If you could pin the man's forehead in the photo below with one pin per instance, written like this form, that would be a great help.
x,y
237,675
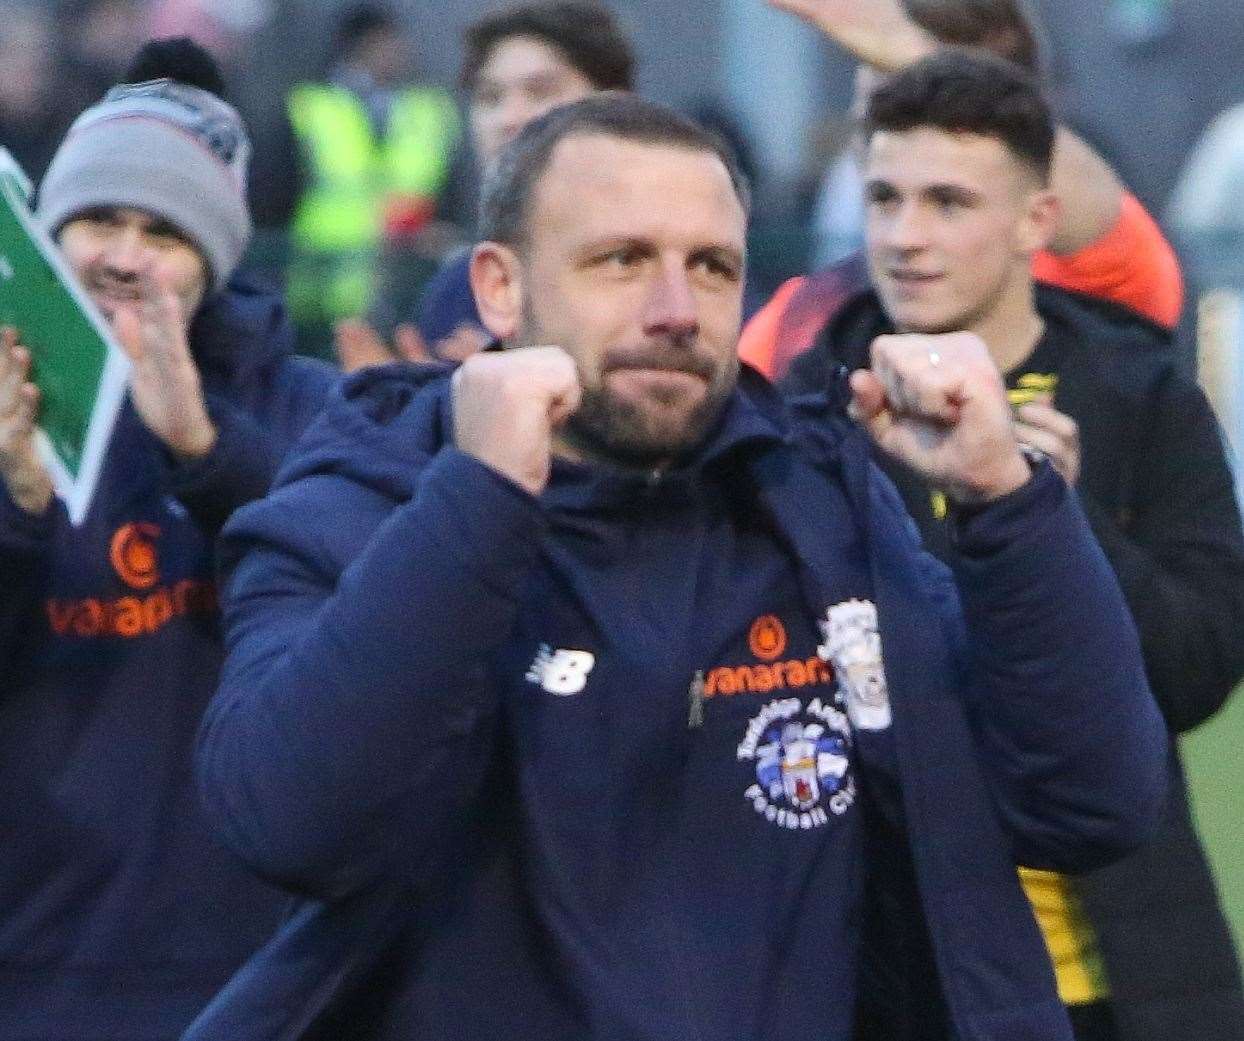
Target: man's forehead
x,y
924,154
126,215
522,55
598,179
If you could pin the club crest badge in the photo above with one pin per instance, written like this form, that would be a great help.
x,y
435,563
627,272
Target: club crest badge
x,y
802,759
853,646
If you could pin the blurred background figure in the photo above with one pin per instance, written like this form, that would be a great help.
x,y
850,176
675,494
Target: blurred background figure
x,y
32,113
120,915
98,39
1209,197
377,148
222,26
520,62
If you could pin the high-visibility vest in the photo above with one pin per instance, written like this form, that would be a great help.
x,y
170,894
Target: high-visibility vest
x,y
339,220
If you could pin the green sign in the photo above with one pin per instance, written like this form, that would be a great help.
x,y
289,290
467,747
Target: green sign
x,y
77,366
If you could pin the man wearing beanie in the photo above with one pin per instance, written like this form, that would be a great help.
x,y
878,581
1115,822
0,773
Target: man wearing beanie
x,y
119,915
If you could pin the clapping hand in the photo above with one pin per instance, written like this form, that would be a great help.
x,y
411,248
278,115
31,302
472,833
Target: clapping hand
x,y
164,383
24,475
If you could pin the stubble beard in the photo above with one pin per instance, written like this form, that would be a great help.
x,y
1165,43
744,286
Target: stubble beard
x,y
631,434
635,434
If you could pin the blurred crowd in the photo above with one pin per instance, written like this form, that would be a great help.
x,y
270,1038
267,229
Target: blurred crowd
x,y
61,56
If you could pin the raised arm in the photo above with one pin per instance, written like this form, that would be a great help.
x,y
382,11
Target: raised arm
x,y
354,716
1069,734
354,722
1101,244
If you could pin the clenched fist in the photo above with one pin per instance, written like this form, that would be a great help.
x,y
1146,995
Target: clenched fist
x,y
508,406
938,404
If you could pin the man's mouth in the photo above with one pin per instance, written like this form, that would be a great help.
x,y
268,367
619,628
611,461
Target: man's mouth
x,y
110,296
687,363
909,277
661,380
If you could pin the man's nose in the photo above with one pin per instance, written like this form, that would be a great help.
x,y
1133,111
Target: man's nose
x,y
907,230
516,112
671,306
126,252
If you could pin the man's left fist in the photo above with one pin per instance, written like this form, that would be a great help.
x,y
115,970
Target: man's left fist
x,y
938,404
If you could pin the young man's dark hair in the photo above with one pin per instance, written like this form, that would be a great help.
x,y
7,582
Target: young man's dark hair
x,y
972,92
585,32
1003,27
361,21
506,193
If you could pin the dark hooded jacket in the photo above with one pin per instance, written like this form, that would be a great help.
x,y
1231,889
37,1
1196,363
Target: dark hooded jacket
x,y
1160,498
488,846
120,915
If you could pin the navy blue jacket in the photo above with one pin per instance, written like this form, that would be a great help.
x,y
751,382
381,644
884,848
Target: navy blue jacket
x,y
120,914
467,831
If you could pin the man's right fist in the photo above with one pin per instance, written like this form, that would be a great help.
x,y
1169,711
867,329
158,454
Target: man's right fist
x,y
24,476
508,406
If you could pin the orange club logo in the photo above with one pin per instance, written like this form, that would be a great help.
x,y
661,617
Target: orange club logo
x,y
767,637
133,554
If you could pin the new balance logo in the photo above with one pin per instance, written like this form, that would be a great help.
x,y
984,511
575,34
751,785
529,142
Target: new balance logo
x,y
561,672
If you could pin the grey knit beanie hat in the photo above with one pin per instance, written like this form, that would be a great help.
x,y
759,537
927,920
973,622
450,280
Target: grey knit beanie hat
x,y
173,150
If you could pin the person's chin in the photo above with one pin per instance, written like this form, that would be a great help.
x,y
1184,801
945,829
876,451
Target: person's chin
x,y
911,317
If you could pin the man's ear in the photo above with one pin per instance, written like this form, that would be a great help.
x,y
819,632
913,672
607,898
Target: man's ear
x,y
497,282
1040,222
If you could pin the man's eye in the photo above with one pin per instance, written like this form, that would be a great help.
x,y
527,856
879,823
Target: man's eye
x,y
623,258
542,88
949,204
719,268
541,91
165,238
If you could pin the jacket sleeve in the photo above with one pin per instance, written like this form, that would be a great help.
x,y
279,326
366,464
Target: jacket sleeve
x,y
25,556
1068,731
238,469
1180,557
353,723
243,462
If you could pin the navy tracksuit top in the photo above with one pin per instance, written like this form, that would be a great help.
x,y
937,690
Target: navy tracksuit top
x,y
596,765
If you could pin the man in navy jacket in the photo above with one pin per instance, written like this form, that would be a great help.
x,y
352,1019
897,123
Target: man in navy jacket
x,y
120,914
592,692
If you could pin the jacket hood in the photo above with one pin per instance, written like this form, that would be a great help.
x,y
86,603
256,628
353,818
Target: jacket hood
x,y
239,333
377,427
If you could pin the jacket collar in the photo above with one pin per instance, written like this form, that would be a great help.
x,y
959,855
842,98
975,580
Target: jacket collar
x,y
753,418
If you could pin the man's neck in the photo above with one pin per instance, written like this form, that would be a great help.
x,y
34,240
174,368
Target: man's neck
x,y
1012,329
